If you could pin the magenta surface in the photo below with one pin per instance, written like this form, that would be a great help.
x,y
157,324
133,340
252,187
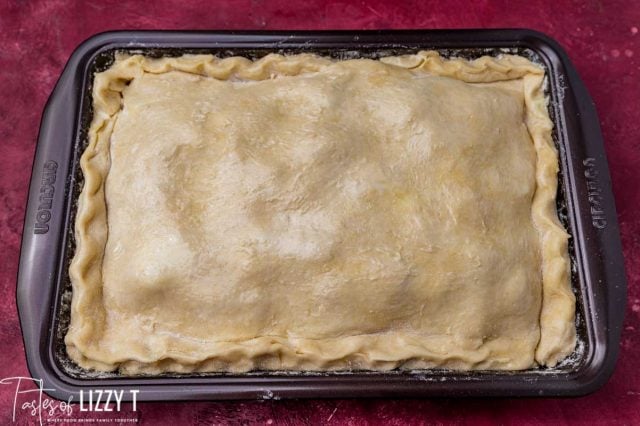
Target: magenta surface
x,y
602,40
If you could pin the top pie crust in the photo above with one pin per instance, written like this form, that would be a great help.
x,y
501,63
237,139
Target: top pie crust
x,y
303,213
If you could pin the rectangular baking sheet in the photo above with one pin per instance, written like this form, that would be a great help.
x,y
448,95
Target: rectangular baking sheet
x,y
585,206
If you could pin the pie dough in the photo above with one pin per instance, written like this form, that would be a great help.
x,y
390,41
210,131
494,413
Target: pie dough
x,y
304,213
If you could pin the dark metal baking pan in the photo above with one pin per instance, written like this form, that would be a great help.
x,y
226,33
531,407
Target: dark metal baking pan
x,y
585,205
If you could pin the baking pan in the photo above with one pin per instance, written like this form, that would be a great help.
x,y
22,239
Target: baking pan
x,y
585,205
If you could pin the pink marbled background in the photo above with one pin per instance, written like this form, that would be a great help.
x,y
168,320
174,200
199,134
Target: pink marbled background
x,y
601,37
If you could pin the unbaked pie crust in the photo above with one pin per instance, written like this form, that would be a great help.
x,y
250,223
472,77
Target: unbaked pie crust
x,y
303,213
